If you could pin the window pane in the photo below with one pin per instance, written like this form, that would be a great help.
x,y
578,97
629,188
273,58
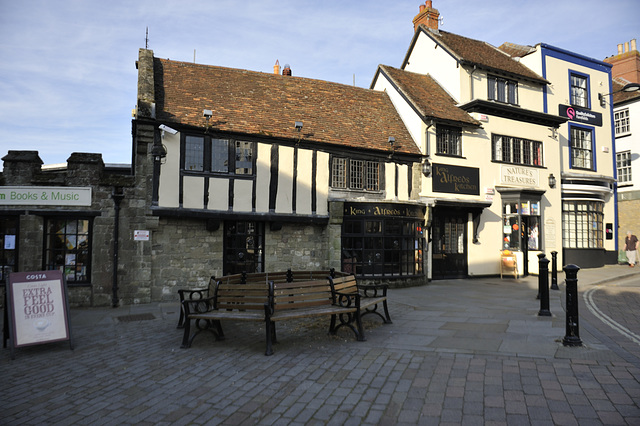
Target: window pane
x,y
581,148
373,173
339,173
356,173
194,153
220,155
68,248
244,158
578,90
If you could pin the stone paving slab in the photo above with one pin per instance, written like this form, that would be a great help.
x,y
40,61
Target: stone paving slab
x,y
506,367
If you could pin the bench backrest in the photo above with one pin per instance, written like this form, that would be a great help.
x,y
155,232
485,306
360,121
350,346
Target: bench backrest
x,y
251,296
301,294
346,284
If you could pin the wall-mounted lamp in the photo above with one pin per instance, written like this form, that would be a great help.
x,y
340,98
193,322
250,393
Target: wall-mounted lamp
x,y
298,125
552,181
158,152
631,87
426,168
391,141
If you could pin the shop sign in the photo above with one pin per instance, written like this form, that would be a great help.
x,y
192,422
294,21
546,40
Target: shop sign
x,y
517,175
45,196
384,209
456,179
38,308
581,115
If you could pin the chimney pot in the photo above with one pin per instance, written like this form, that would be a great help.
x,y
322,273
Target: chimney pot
x,y
619,48
286,70
427,16
634,46
421,8
429,4
276,67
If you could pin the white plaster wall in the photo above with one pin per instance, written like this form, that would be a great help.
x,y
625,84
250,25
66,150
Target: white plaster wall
x,y
263,177
193,192
169,188
403,183
285,180
631,142
218,194
429,58
322,184
242,195
304,182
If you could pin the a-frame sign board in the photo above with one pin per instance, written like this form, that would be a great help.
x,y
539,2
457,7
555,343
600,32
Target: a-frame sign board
x,y
38,309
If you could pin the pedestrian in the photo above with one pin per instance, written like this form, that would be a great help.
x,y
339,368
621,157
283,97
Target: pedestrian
x,y
631,247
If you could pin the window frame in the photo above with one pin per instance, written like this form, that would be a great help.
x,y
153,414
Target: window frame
x,y
355,174
529,152
50,260
502,89
448,140
622,125
573,149
573,95
213,164
624,171
582,224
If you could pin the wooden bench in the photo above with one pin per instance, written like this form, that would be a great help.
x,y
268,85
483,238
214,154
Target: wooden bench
x,y
371,296
243,302
194,294
304,299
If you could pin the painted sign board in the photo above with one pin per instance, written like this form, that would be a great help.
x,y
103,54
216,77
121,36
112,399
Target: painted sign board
x,y
456,179
45,196
38,308
580,115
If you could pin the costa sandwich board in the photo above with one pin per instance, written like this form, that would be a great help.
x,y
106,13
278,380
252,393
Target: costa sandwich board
x,y
38,308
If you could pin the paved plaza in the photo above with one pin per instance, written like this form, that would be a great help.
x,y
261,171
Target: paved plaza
x,y
469,352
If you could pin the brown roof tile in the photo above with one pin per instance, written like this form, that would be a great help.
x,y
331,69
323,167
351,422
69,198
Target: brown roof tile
x,y
482,54
268,105
427,96
618,95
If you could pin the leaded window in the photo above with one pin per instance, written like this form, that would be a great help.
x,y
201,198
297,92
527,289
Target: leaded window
x,y
507,149
448,140
68,248
349,173
502,90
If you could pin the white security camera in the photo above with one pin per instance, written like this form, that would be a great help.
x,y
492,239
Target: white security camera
x,y
168,129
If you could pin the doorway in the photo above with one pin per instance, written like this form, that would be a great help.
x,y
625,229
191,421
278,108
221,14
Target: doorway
x,y
449,243
243,247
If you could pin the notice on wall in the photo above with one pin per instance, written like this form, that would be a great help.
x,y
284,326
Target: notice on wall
x,y
550,233
38,308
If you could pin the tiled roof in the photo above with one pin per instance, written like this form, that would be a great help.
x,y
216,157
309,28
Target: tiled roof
x,y
482,54
427,96
619,97
516,50
267,105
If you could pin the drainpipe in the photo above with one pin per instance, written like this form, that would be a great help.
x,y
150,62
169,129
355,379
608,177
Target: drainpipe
x,y
471,81
117,195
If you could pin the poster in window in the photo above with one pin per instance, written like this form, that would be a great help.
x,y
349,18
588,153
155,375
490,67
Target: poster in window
x,y
37,308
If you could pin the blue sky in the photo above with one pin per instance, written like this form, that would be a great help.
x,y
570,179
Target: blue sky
x,y
67,68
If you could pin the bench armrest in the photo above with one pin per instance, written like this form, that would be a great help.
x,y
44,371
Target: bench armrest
x,y
198,306
346,300
373,290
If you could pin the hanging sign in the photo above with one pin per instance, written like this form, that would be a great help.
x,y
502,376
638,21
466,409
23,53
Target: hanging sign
x,y
581,115
38,308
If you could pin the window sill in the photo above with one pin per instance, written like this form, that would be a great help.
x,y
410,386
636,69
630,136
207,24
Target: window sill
x,y
450,155
623,135
518,164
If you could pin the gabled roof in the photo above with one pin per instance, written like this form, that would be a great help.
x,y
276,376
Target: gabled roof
x,y
426,96
516,50
618,95
267,105
472,52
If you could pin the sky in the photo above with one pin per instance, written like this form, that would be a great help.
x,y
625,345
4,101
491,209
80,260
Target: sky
x,y
67,67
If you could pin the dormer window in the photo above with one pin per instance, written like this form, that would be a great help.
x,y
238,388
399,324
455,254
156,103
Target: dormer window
x,y
502,90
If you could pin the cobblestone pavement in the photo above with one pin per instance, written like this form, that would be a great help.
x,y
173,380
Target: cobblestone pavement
x,y
458,352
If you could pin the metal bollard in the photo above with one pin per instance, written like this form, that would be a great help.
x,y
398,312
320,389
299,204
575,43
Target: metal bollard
x,y
554,270
543,286
540,257
572,335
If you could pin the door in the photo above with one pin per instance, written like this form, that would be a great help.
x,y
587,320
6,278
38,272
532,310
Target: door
x,y
449,242
243,247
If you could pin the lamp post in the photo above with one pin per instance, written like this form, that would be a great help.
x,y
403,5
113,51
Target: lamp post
x,y
628,88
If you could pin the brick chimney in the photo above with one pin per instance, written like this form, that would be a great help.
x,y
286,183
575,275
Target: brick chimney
x,y
286,70
626,64
427,16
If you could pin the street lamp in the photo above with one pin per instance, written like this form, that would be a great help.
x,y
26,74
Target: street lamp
x,y
631,87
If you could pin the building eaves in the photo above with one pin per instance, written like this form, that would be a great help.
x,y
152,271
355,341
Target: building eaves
x,y
513,113
482,55
267,105
427,97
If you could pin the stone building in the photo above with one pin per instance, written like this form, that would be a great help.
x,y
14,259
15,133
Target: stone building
x,y
232,171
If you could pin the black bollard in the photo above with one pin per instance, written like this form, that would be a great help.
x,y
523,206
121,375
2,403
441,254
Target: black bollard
x,y
554,270
572,335
540,257
543,286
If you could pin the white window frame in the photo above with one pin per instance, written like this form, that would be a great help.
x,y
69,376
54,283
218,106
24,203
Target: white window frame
x,y
621,122
623,164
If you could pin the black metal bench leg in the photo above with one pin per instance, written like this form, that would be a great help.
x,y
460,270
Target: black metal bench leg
x,y
386,313
185,336
270,331
358,319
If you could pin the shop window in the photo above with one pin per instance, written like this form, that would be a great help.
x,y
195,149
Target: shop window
x,y
582,224
68,248
448,140
8,247
355,174
521,225
512,150
386,247
502,90
218,156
